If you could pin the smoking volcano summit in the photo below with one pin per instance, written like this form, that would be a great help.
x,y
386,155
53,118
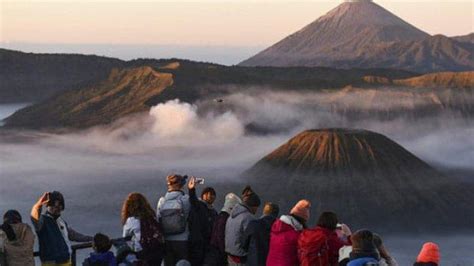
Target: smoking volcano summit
x,y
367,178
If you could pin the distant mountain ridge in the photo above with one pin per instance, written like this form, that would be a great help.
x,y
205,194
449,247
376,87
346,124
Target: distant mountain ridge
x,y
30,77
465,38
363,34
365,177
351,93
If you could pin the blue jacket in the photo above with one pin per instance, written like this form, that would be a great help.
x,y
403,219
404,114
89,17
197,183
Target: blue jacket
x,y
366,261
95,258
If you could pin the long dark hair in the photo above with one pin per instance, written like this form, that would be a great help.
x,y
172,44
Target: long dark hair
x,y
328,220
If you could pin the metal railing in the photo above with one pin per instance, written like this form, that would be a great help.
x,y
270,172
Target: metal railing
x,y
76,247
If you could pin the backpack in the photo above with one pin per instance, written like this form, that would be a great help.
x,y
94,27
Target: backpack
x,y
172,216
151,235
313,248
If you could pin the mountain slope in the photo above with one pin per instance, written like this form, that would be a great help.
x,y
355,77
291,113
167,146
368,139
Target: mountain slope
x,y
363,34
366,178
123,93
442,79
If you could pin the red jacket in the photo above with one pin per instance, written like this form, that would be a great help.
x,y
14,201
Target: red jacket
x,y
283,242
309,241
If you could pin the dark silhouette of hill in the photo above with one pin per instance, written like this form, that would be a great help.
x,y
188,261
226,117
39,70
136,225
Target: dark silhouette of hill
x,y
363,34
29,77
368,179
148,82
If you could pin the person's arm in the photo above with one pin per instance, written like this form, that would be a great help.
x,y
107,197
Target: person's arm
x,y
346,230
193,199
158,214
130,228
36,211
78,237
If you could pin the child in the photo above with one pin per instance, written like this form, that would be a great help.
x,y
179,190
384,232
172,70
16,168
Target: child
x,y
101,255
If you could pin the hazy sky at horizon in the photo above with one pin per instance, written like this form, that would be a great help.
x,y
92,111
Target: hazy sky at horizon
x,y
205,22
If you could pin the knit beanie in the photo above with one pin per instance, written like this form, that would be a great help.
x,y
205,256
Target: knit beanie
x,y
250,198
230,201
363,241
301,209
429,253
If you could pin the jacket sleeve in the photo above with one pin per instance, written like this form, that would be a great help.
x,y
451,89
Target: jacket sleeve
x,y
248,233
131,227
78,237
158,205
36,217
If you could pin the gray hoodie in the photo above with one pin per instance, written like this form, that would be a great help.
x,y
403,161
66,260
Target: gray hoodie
x,y
184,236
236,225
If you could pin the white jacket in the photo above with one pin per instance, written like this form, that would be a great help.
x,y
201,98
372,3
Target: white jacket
x,y
132,228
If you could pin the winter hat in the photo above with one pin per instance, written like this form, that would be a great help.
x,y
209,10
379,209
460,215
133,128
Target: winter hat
x,y
250,198
230,201
12,217
363,242
271,209
429,253
301,209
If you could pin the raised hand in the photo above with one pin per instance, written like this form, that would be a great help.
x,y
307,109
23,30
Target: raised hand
x,y
192,182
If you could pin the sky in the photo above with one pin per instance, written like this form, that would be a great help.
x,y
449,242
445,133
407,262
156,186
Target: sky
x,y
248,25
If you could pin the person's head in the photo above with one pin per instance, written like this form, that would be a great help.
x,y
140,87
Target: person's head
x,y
429,253
271,209
101,243
55,203
136,205
301,210
208,195
12,217
176,182
230,201
251,199
328,220
363,242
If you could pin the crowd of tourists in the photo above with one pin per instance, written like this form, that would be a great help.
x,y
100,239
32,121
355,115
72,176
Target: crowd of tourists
x,y
185,229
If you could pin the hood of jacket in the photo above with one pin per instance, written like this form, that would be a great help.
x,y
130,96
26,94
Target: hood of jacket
x,y
171,195
287,223
239,209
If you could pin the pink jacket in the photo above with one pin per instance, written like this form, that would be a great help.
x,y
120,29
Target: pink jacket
x,y
284,242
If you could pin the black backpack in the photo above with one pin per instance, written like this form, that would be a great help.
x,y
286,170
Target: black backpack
x,y
152,238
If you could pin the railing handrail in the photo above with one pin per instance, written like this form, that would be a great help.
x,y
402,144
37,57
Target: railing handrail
x,y
80,246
